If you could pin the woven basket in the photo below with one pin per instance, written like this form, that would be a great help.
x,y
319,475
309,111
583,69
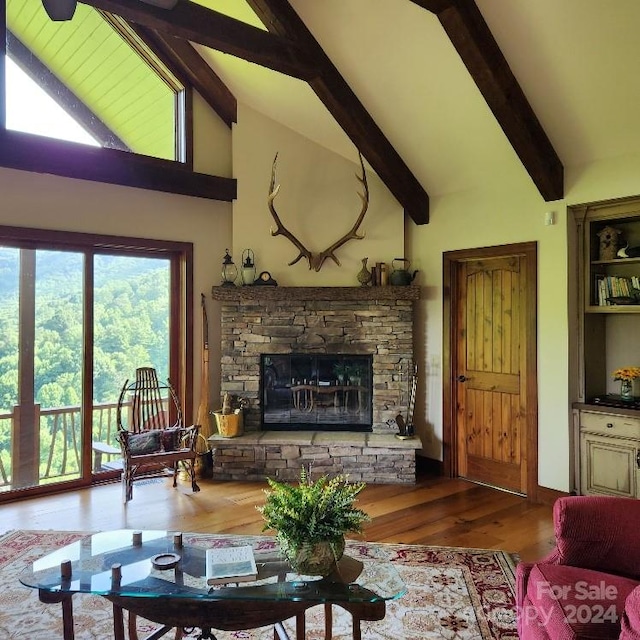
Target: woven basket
x,y
229,425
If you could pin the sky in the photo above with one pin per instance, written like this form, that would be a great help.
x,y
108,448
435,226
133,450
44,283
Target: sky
x,y
31,110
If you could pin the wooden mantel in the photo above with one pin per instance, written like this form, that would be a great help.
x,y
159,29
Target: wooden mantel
x,y
266,292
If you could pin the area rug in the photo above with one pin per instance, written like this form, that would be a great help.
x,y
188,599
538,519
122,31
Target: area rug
x,y
452,593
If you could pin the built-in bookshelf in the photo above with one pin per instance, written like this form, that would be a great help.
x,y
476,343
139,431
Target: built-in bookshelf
x,y
612,282
608,300
605,335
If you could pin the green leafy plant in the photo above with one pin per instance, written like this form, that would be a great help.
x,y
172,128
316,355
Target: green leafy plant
x,y
312,511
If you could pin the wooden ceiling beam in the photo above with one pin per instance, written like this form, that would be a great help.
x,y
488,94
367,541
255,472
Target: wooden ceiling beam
x,y
194,68
279,18
40,154
474,42
196,23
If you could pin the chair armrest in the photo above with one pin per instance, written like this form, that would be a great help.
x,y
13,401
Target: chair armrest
x,y
631,617
598,532
189,435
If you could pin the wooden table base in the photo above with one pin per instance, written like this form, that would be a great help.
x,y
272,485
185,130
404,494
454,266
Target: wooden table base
x,y
226,615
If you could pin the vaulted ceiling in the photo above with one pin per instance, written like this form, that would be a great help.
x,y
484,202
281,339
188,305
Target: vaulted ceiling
x,y
439,95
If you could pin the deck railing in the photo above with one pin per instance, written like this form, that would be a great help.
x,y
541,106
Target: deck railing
x,y
60,440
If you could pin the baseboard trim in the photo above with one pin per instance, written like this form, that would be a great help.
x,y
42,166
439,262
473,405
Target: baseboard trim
x,y
429,466
549,496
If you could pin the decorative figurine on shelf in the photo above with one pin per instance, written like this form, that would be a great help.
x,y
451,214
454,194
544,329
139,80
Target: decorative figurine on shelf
x,y
609,237
629,252
229,271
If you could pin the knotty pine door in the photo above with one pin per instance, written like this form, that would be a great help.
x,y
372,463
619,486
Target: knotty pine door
x,y
494,339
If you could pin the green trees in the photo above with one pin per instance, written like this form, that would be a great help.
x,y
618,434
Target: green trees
x,y
131,329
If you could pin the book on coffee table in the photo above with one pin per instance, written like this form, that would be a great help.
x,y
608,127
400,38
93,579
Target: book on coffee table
x,y
230,564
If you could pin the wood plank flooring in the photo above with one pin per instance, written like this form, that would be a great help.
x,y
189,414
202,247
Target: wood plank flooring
x,y
434,511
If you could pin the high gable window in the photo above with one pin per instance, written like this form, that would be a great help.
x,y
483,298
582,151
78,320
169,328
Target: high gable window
x,y
32,110
101,73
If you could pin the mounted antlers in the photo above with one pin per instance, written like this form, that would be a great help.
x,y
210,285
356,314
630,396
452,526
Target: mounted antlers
x,y
316,260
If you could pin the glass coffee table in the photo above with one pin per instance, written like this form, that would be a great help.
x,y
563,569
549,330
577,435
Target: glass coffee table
x,y
160,576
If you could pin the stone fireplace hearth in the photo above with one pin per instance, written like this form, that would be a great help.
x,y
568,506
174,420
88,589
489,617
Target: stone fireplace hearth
x,y
373,322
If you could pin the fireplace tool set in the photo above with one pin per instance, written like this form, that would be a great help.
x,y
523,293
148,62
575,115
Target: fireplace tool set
x,y
405,425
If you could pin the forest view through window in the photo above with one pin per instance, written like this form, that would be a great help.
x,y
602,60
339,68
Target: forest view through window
x,y
48,296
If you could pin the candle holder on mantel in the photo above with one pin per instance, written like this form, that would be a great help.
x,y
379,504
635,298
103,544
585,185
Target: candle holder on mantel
x,y
248,271
229,271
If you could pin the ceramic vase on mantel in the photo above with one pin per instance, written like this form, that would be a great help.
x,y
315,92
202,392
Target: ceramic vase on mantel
x,y
626,390
364,275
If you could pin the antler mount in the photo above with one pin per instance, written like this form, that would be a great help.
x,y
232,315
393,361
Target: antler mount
x,y
316,260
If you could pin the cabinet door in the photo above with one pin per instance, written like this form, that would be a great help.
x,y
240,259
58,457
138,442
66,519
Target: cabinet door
x,y
608,466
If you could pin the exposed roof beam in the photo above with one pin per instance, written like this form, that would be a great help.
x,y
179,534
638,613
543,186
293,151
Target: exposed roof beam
x,y
73,160
334,92
473,40
196,23
194,68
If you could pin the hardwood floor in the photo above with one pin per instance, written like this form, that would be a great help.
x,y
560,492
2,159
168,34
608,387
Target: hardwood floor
x,y
434,511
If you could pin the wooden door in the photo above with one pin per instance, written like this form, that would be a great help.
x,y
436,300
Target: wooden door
x,y
492,366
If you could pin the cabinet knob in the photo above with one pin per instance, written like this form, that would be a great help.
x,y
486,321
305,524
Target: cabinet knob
x,y
609,425
462,378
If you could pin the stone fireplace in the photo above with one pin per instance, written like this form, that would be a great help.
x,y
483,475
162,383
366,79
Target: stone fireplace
x,y
266,325
370,321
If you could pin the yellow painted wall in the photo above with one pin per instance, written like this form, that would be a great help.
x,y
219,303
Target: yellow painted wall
x,y
513,213
317,202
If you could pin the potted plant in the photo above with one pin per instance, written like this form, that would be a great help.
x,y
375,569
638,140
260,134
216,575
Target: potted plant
x,y
311,519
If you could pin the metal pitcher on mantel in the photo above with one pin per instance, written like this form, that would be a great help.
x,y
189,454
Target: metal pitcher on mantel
x,y
401,276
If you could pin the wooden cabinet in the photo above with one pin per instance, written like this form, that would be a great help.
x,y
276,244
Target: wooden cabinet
x,y
605,306
609,452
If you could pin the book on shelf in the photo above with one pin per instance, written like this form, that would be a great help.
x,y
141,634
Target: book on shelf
x,y
608,288
230,564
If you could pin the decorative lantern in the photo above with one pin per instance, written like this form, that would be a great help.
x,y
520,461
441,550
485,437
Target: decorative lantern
x,y
248,270
229,271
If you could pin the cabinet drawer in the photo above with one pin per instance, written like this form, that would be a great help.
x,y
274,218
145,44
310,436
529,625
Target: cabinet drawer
x,y
609,424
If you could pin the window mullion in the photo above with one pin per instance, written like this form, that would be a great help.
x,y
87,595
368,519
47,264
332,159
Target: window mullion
x,y
26,436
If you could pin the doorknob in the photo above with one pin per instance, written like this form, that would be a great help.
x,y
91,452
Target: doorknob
x,y
462,378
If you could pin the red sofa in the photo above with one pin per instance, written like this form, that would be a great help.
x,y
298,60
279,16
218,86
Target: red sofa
x,y
589,586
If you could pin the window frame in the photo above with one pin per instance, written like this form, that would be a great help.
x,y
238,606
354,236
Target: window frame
x,y
180,255
28,152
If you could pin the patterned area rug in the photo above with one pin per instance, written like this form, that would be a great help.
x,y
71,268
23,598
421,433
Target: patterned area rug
x,y
452,593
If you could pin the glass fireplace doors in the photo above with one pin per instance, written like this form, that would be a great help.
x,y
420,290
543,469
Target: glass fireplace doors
x,y
316,392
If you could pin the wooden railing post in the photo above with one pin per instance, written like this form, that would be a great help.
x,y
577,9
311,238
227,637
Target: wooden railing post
x,y
25,446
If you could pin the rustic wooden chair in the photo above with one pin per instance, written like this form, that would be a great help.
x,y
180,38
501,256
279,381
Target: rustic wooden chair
x,y
151,431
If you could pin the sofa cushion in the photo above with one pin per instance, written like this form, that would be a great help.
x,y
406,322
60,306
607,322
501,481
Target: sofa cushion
x,y
573,603
145,442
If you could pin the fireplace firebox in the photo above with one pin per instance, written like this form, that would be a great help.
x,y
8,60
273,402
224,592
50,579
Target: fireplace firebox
x,y
316,392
